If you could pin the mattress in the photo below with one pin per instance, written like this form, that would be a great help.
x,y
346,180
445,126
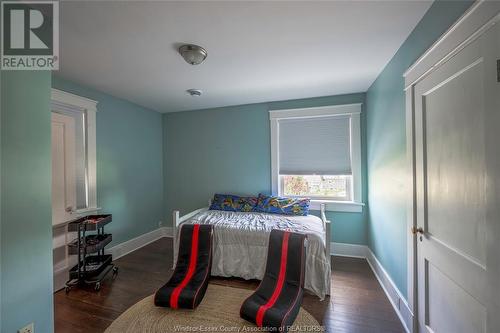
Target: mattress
x,y
241,240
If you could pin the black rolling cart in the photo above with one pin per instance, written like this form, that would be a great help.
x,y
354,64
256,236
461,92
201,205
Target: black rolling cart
x,y
93,265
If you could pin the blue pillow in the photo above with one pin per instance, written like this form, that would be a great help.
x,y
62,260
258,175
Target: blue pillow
x,y
233,203
282,205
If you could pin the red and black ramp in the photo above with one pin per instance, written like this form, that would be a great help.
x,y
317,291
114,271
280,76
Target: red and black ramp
x,y
276,302
188,284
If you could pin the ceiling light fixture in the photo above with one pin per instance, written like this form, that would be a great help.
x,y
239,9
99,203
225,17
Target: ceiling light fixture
x,y
194,92
193,54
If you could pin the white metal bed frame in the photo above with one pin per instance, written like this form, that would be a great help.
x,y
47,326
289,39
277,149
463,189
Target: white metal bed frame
x,y
178,220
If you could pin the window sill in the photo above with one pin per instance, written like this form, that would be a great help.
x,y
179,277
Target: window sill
x,y
338,206
86,210
77,213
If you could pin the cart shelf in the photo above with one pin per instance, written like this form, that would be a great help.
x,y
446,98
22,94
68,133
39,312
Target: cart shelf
x,y
90,244
94,265
90,222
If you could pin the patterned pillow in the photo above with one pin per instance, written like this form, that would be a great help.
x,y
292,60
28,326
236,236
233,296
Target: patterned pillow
x,y
282,205
233,203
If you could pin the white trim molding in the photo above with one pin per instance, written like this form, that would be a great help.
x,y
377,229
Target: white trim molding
x,y
322,111
337,206
348,250
481,16
68,100
394,295
352,110
64,101
122,249
411,206
168,232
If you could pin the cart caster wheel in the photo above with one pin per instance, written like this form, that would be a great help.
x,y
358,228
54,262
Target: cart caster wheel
x,y
97,286
67,289
115,272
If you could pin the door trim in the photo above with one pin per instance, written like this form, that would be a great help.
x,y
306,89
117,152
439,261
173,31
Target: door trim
x,y
481,16
411,217
62,100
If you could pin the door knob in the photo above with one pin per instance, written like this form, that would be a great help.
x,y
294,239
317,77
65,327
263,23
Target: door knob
x,y
415,230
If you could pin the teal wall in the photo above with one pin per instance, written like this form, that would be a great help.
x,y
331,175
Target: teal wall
x,y
26,214
129,162
227,150
386,149
191,155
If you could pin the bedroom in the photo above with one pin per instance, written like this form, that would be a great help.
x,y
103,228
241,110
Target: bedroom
x,y
322,100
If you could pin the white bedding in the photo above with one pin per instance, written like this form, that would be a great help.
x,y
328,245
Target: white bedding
x,y
241,240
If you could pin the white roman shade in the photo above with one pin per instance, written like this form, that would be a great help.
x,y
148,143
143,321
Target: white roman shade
x,y
320,145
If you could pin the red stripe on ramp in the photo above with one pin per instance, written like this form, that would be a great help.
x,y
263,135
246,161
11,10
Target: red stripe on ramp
x,y
174,298
279,285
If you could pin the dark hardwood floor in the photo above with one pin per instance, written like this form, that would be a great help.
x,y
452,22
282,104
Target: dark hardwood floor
x,y
357,304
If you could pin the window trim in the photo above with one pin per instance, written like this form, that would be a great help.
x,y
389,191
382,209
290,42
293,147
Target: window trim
x,y
351,110
62,100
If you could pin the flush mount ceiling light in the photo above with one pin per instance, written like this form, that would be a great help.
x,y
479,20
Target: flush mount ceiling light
x,y
194,92
193,54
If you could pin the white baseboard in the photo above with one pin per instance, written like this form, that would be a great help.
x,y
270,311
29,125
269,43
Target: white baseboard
x,y
393,293
169,231
397,300
348,250
136,243
60,278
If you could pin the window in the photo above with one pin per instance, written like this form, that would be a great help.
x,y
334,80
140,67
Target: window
x,y
326,187
316,153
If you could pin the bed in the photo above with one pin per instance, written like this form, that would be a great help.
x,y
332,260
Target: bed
x,y
241,240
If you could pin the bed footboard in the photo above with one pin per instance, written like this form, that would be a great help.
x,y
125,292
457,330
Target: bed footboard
x,y
177,221
326,225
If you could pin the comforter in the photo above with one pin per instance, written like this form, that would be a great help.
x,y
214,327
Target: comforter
x,y
241,241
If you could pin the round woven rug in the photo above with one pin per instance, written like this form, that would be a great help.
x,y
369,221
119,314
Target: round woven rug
x,y
218,312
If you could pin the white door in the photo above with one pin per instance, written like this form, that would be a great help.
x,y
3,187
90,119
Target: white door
x,y
457,154
63,191
63,168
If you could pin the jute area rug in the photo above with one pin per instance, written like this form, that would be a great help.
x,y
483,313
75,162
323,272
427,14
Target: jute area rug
x,y
218,312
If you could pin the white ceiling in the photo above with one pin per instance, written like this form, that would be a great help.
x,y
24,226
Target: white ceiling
x,y
257,51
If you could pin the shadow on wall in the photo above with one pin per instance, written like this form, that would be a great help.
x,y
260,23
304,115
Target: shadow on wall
x,y
386,154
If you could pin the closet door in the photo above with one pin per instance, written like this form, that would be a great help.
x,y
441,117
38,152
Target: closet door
x,y
63,193
63,168
457,155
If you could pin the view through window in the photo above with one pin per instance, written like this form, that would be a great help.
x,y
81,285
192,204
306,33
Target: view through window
x,y
317,186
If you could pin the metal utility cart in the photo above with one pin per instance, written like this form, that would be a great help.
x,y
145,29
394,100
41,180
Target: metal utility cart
x,y
93,265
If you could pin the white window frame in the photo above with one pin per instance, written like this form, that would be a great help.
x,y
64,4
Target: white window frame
x,y
64,101
354,113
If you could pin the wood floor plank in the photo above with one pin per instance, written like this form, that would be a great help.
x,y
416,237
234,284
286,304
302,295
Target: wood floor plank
x,y
357,304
